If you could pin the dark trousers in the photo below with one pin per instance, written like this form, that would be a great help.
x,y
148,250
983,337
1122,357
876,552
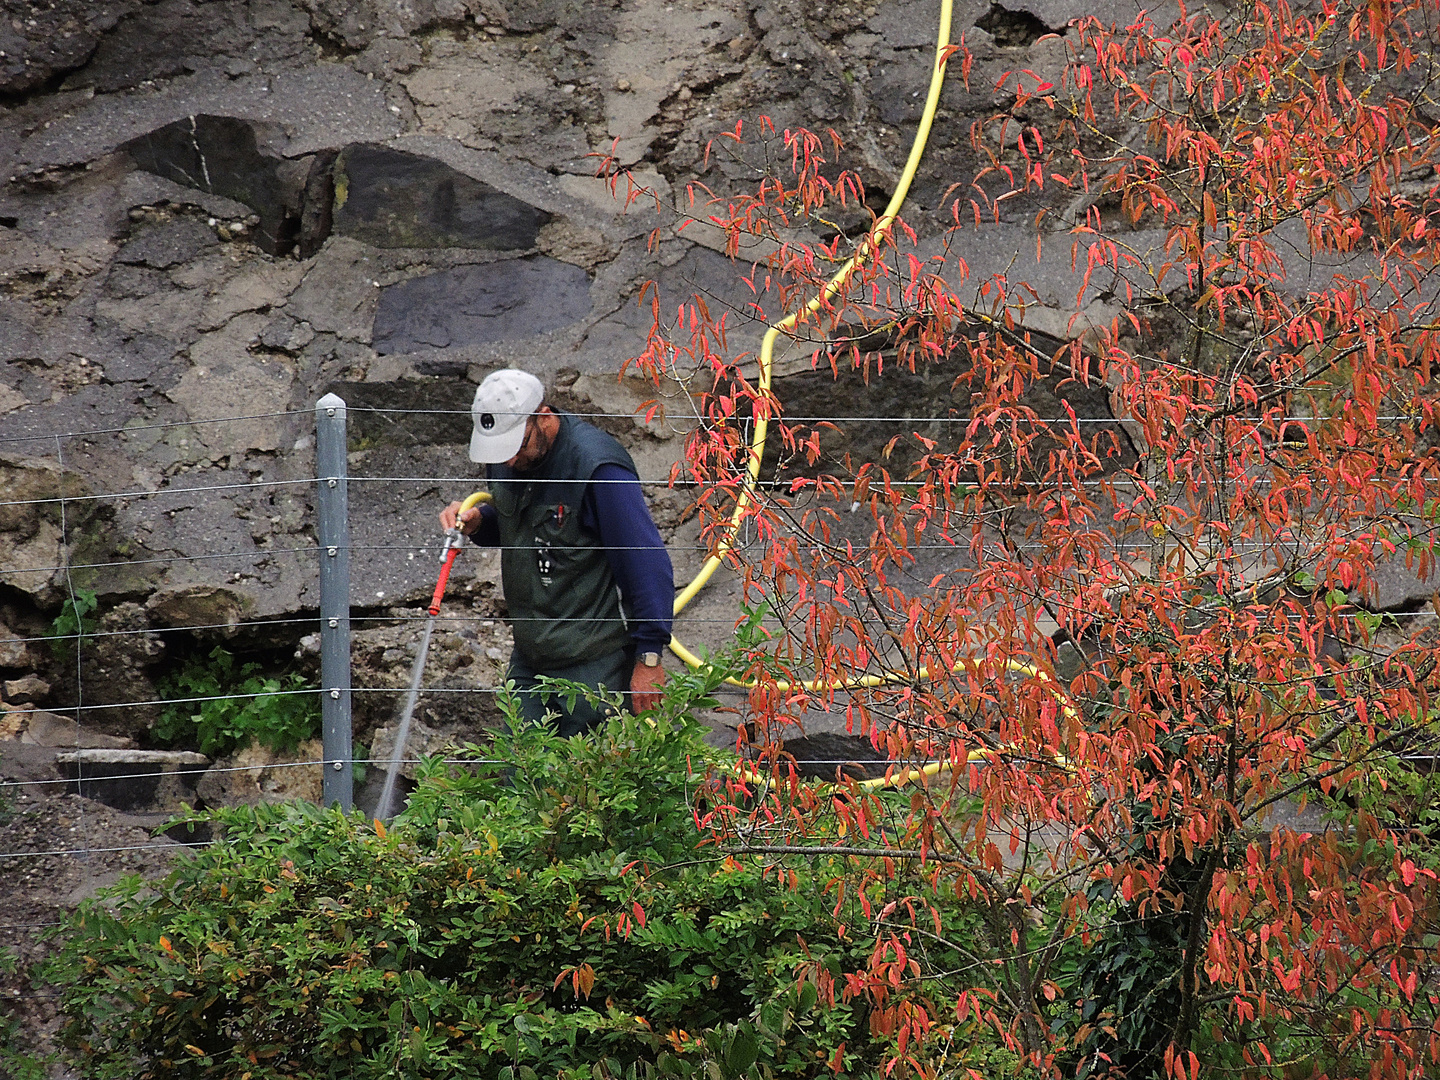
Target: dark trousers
x,y
610,673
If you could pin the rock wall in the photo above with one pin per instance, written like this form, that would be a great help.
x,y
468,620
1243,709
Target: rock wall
x,y
212,213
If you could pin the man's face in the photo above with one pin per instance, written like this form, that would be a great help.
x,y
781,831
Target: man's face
x,y
534,447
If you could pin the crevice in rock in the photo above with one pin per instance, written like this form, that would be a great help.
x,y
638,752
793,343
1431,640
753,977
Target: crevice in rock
x,y
51,84
1012,29
317,209
673,127
330,47
49,178
852,220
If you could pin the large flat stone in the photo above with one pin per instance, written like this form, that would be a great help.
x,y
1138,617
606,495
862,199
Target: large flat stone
x,y
473,305
355,25
164,39
260,287
222,155
256,775
654,49
392,199
318,107
228,381
33,532
200,605
483,99
36,727
339,293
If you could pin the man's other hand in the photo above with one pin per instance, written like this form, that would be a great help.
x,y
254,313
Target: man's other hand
x,y
645,686
468,521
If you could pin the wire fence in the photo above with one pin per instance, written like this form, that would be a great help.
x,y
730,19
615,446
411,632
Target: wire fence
x,y
83,483
112,527
434,548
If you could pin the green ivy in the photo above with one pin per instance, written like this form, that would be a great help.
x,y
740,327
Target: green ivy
x,y
244,705
73,622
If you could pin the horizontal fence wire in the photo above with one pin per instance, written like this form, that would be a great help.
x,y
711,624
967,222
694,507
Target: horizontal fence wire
x,y
259,695
435,552
257,553
784,486
779,416
175,768
786,417
184,769
313,620
467,619
170,846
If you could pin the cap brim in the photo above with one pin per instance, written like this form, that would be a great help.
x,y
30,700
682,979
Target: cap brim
x,y
493,449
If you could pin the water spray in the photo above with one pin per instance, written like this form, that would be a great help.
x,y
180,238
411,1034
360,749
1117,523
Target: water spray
x,y
454,541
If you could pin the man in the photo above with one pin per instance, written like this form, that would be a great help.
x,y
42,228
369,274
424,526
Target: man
x,y
587,578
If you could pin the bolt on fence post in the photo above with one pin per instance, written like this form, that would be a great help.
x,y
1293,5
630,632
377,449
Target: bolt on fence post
x,y
333,532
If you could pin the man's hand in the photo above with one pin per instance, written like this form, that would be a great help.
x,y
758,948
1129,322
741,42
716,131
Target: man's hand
x,y
468,521
645,686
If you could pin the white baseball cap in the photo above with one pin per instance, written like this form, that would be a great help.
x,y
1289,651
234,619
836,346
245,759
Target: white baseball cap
x,y
503,402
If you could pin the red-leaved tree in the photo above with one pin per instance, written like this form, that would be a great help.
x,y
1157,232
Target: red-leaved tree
x,y
1142,644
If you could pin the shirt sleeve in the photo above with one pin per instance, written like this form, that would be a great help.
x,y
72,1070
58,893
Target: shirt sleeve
x,y
615,508
488,532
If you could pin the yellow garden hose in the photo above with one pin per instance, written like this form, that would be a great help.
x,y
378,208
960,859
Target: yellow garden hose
x,y
873,238
788,323
474,500
454,540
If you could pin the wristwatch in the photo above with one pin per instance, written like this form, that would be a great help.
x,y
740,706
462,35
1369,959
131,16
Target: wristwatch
x,y
650,659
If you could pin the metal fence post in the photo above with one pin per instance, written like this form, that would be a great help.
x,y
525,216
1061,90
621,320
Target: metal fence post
x,y
333,531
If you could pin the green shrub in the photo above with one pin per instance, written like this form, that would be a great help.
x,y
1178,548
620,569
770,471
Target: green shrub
x,y
245,705
547,910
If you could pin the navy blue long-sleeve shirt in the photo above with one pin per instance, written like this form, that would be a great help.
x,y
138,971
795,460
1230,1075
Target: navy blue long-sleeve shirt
x,y
615,510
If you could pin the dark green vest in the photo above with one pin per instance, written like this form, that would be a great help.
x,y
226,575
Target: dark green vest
x,y
563,601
